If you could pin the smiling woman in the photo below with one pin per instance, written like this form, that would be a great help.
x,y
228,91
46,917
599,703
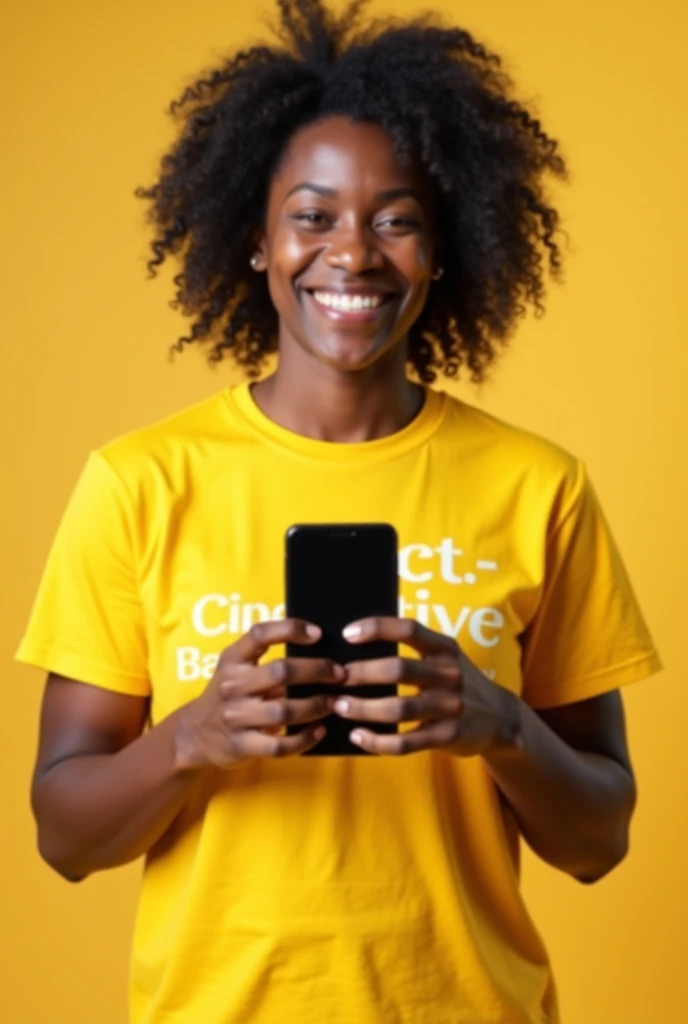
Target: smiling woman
x,y
348,245
467,155
368,205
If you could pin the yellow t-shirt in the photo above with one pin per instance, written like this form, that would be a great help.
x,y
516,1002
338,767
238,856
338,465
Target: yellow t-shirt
x,y
355,890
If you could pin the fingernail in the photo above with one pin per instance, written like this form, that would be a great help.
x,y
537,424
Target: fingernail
x,y
356,736
342,705
313,631
352,631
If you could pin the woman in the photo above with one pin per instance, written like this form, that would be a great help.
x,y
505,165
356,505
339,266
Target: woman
x,y
370,207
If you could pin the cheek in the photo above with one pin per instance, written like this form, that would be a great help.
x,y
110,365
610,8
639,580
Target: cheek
x,y
292,255
415,264
415,304
288,258
412,257
423,260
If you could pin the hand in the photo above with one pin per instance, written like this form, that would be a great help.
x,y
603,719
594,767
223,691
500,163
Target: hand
x,y
458,709
242,712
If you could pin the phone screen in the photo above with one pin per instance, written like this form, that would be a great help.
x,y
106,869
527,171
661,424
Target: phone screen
x,y
336,574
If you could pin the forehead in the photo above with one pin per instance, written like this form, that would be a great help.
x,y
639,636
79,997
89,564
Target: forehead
x,y
343,155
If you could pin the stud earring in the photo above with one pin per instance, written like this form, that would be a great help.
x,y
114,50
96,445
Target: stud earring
x,y
254,261
438,274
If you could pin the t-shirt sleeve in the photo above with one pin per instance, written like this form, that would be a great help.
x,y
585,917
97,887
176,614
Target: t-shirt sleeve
x,y
588,635
87,621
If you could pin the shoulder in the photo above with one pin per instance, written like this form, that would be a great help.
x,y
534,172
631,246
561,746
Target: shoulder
x,y
510,458
164,447
481,431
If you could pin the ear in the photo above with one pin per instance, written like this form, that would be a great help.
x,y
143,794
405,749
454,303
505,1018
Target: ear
x,y
259,256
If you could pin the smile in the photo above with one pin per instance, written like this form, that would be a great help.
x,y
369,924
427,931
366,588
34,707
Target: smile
x,y
350,302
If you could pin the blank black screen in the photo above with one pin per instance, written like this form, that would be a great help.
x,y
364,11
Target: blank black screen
x,y
336,574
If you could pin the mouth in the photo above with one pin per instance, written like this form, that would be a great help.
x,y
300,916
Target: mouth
x,y
351,306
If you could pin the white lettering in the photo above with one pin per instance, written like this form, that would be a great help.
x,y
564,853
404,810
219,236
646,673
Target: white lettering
x,y
209,665
234,613
188,667
447,553
448,627
215,614
253,613
490,618
191,666
197,615
423,551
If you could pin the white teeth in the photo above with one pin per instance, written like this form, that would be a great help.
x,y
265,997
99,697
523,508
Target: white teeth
x,y
348,303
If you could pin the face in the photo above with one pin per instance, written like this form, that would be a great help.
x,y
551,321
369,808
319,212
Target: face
x,y
347,245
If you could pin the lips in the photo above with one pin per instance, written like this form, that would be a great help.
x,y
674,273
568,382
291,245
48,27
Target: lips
x,y
352,309
348,302
351,305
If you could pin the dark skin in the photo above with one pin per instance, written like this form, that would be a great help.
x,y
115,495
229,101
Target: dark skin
x,y
371,234
350,264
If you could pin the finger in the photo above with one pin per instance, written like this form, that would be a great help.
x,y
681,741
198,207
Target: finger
x,y
425,737
404,670
263,635
259,744
275,693
251,713
404,631
281,673
428,704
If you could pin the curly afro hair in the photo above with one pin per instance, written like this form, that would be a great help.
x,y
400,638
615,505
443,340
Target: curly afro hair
x,y
446,104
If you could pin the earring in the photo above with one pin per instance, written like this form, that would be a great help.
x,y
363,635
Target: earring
x,y
254,261
438,274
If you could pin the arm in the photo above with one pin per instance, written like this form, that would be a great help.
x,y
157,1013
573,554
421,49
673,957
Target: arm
x,y
565,772
104,792
566,775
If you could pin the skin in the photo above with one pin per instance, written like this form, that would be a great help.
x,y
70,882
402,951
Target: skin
x,y
339,381
106,791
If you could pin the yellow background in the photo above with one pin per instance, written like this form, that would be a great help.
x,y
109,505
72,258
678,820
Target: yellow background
x,y
85,358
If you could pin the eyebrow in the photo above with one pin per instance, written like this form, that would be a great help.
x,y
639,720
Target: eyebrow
x,y
403,192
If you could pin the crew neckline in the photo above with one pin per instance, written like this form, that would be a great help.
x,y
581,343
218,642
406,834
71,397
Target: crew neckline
x,y
415,433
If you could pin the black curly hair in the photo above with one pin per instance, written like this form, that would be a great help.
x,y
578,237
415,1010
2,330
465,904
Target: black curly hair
x,y
446,104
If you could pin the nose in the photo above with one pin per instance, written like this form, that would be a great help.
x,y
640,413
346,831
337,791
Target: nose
x,y
354,251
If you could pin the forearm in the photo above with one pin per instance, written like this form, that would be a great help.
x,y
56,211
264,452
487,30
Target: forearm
x,y
103,810
573,808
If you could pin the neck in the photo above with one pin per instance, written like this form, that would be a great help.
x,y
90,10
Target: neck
x,y
317,401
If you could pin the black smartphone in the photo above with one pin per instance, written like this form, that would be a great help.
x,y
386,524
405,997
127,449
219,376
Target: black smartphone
x,y
335,574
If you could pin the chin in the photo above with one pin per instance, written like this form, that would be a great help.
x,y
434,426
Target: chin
x,y
349,355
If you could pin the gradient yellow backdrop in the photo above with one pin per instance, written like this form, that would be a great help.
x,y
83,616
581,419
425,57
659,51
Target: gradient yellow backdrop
x,y
85,358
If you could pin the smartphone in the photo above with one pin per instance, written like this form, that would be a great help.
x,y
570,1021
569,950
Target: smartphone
x,y
335,574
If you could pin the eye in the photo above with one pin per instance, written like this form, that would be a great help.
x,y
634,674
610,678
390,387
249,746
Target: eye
x,y
311,218
399,224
